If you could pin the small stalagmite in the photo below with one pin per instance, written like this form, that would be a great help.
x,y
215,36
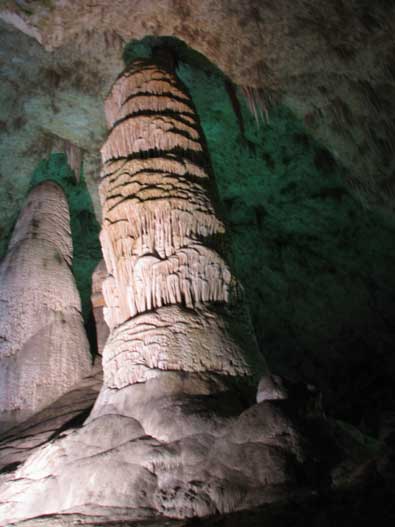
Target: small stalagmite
x,y
43,346
97,301
170,296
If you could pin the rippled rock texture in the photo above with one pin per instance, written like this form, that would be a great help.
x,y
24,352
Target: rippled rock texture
x,y
43,346
171,300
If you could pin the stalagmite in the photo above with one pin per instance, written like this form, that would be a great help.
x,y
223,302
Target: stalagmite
x,y
43,347
97,301
161,238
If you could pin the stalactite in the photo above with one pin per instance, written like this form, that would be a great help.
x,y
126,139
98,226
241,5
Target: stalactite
x,y
74,155
74,158
256,103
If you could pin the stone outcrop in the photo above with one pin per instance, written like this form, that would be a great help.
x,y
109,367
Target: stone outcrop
x,y
235,461
113,468
43,347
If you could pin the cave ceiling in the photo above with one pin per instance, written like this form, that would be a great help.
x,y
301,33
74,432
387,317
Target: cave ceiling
x,y
308,191
331,63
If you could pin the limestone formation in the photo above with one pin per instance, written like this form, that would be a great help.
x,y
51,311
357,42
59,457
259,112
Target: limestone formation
x,y
167,447
171,300
271,387
43,346
170,434
72,408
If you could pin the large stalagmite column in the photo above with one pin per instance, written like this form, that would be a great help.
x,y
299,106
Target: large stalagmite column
x,y
43,346
172,302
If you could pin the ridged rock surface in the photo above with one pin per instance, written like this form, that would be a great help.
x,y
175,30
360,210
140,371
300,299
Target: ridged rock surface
x,y
43,347
171,300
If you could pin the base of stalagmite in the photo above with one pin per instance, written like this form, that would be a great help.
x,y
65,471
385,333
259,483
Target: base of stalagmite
x,y
177,446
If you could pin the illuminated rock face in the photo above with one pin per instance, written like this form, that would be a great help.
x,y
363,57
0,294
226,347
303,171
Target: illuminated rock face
x,y
43,347
171,298
170,434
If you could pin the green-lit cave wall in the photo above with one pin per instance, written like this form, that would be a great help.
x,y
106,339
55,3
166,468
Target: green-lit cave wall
x,y
316,264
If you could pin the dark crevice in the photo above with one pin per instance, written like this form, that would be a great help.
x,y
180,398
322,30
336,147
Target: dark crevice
x,y
156,113
11,467
165,95
166,196
75,422
186,178
171,95
175,153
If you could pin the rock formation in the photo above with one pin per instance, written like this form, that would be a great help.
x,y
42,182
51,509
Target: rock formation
x,y
43,347
284,185
171,434
171,300
316,262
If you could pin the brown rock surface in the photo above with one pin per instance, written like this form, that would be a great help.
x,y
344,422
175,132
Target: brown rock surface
x,y
319,58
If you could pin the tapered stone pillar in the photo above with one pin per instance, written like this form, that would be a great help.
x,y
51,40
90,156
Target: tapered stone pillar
x,y
43,347
172,302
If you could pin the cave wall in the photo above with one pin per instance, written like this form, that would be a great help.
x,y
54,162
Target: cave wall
x,y
316,263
